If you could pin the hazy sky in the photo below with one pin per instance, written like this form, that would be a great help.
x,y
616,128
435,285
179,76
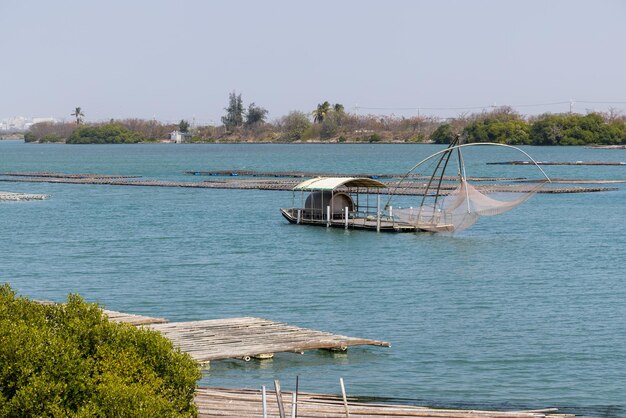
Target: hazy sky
x,y
180,59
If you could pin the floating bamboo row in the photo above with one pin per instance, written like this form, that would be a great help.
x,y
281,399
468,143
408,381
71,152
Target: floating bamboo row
x,y
559,163
309,174
216,402
285,185
64,175
14,197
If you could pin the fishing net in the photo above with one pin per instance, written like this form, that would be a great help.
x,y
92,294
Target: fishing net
x,y
461,208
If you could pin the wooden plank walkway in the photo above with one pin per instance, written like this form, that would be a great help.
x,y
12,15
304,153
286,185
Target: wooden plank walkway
x,y
285,185
243,403
248,337
133,319
238,338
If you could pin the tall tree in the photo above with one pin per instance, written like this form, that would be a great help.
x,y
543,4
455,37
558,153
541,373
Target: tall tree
x,y
320,113
234,112
338,108
78,113
183,126
255,114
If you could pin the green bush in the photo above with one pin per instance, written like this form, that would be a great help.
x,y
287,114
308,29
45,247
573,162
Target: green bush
x,y
69,360
294,126
110,133
443,134
572,129
374,138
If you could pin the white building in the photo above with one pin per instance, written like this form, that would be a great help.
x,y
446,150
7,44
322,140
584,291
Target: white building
x,y
179,137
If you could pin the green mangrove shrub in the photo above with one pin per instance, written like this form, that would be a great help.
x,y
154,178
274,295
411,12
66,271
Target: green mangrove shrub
x,y
69,360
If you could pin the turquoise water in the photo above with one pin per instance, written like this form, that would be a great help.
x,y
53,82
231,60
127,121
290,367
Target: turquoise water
x,y
523,310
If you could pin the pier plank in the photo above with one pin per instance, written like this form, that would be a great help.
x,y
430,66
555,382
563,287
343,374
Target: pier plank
x,y
221,339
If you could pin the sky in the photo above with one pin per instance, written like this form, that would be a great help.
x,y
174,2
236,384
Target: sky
x,y
171,60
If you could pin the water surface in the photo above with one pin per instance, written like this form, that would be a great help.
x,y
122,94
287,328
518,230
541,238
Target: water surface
x,y
523,310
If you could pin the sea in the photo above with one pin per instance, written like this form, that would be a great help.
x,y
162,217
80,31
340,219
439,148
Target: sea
x,y
523,310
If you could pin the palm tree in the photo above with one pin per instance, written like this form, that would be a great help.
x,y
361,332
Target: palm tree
x,y
338,108
320,113
79,115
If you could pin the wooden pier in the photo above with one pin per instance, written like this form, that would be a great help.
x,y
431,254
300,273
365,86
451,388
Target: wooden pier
x,y
415,188
244,403
242,338
133,319
248,337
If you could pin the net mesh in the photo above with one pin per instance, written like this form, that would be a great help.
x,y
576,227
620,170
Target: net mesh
x,y
461,208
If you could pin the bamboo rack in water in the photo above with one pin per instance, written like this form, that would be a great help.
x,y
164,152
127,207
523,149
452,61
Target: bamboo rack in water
x,y
248,337
559,163
239,338
414,189
243,403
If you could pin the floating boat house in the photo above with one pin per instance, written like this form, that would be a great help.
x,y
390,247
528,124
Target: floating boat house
x,y
342,202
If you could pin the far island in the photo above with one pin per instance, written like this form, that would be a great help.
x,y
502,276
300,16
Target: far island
x,y
330,123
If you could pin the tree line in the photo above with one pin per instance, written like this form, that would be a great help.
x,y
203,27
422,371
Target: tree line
x,y
332,123
504,125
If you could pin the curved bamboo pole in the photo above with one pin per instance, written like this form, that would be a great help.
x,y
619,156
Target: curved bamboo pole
x,y
449,149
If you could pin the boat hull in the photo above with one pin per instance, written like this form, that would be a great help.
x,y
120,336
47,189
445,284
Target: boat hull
x,y
353,223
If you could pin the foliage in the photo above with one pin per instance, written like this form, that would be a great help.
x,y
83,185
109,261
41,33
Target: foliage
x,y
49,132
78,113
234,112
183,126
150,130
374,138
331,125
293,126
572,129
69,360
320,112
110,133
503,126
255,115
324,110
443,134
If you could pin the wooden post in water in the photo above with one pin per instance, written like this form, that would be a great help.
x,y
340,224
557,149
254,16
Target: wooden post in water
x,y
378,213
327,216
298,218
345,398
347,216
